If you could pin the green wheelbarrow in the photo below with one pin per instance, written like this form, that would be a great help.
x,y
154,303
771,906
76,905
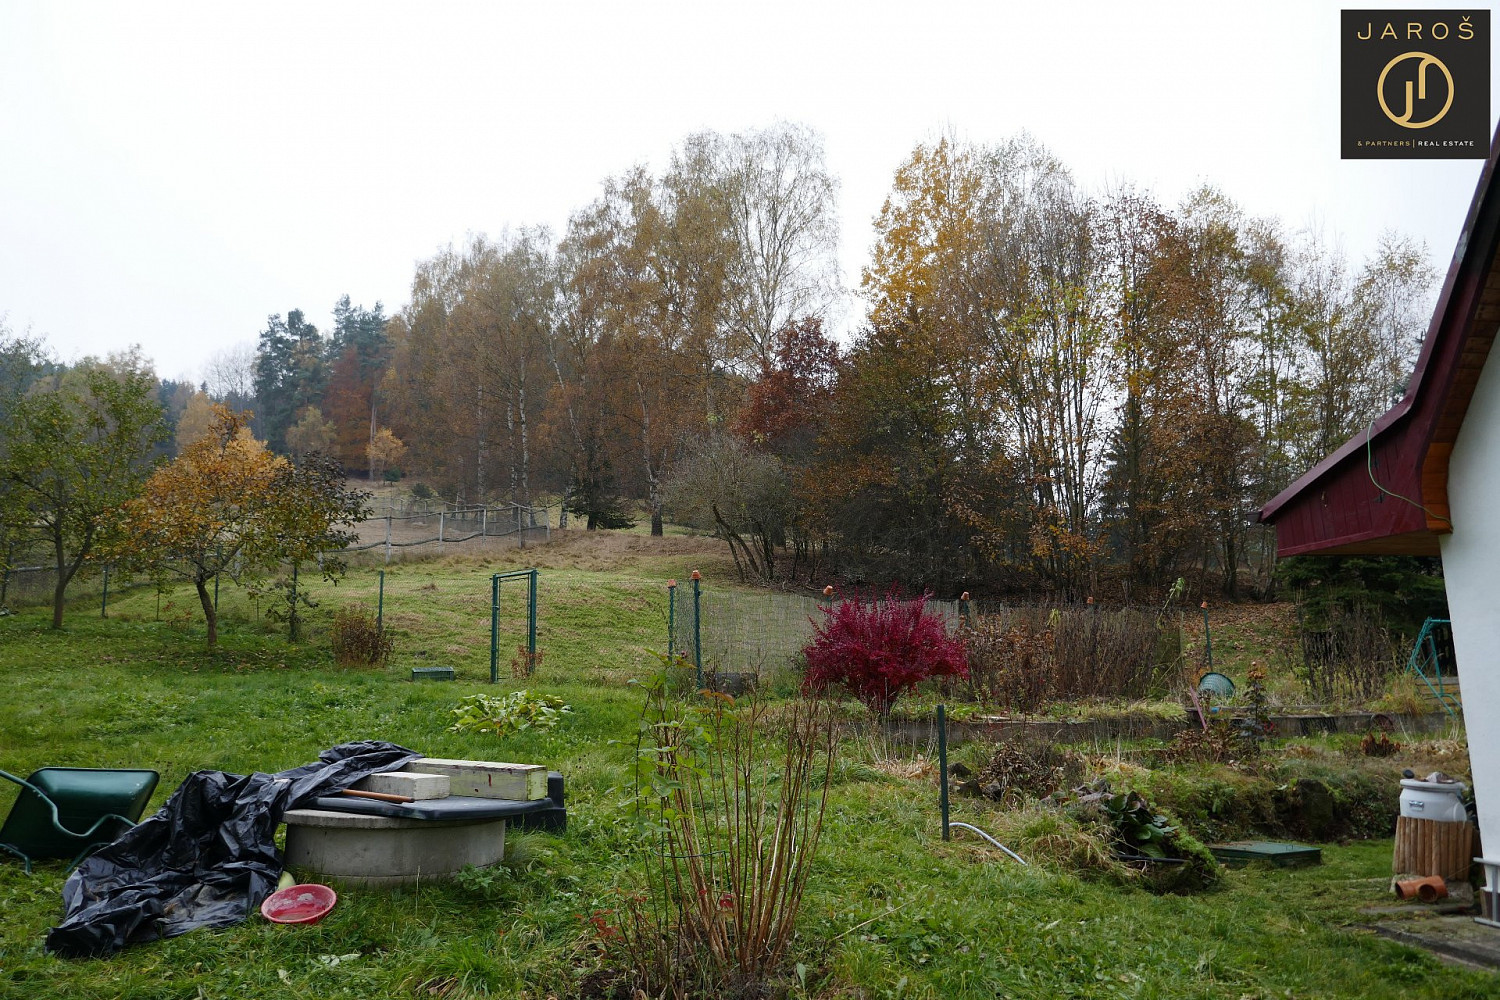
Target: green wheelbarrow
x,y
66,812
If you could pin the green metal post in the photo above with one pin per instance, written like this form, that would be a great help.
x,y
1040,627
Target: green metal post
x,y
216,593
531,621
380,606
291,631
942,728
495,629
1208,638
104,601
671,620
698,627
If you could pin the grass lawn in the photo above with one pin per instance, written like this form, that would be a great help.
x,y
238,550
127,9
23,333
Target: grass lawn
x,y
892,911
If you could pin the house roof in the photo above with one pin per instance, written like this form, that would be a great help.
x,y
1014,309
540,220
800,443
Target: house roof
x,y
1385,491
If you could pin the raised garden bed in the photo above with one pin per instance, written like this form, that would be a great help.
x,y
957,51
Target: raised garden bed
x,y
995,729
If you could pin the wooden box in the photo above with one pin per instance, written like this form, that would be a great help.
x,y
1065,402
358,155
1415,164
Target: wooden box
x,y
1433,847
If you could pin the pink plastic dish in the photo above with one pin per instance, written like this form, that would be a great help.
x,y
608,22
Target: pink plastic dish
x,y
299,904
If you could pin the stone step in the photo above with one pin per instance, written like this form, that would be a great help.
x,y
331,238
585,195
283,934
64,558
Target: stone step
x,y
413,786
487,779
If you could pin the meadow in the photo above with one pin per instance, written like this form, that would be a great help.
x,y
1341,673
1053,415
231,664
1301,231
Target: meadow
x,y
892,910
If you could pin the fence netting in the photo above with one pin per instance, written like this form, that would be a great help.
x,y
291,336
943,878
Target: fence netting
x,y
756,633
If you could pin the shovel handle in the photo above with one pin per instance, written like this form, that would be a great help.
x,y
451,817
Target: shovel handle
x,y
382,796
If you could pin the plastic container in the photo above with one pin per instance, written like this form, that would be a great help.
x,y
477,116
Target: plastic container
x,y
1441,801
299,904
1215,685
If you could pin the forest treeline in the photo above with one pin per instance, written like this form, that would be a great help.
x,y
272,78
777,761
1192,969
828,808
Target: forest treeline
x,y
1049,388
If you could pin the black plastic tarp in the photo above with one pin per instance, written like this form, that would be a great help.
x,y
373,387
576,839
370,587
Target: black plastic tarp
x,y
206,859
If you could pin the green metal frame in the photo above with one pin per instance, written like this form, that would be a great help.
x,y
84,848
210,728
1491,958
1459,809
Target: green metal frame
x,y
531,575
1427,665
37,826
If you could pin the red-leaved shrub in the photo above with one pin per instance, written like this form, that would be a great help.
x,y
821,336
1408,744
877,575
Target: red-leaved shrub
x,y
879,649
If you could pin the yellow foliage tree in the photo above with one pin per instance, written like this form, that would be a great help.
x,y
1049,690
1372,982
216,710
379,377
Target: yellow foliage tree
x,y
227,505
196,422
384,450
311,434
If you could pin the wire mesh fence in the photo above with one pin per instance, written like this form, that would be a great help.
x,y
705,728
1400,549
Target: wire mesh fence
x,y
1081,649
400,529
34,586
425,527
763,633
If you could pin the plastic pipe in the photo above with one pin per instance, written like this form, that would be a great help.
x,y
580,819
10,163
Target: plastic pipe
x,y
1007,850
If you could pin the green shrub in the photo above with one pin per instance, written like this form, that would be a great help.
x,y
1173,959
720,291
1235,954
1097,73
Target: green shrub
x,y
1169,858
513,713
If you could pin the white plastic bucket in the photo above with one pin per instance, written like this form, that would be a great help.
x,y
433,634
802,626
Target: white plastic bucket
x,y
1442,801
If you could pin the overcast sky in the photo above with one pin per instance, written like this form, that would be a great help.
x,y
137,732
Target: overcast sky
x,y
172,174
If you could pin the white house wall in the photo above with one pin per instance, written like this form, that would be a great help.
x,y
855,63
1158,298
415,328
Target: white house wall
x,y
1471,567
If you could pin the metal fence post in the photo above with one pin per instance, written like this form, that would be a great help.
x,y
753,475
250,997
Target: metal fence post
x,y
531,621
387,537
1208,638
291,634
828,596
495,629
963,608
104,601
671,620
942,728
698,626
380,607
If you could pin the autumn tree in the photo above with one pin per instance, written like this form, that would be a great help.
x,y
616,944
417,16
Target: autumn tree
x,y
311,434
77,445
1394,290
469,374
993,250
359,350
740,494
785,407
196,421
646,266
384,451
581,423
891,487
22,363
784,414
1139,504
227,505
1223,303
